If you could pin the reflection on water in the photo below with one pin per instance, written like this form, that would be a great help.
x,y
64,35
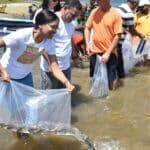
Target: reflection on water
x,y
123,118
107,145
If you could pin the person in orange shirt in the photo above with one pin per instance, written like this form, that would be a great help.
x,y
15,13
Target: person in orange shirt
x,y
106,26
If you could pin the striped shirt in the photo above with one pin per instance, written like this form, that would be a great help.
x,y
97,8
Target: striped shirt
x,y
127,19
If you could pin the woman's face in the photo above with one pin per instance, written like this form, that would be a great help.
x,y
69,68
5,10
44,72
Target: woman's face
x,y
52,3
48,30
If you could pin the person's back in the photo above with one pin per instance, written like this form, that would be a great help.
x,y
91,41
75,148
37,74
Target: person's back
x,y
142,18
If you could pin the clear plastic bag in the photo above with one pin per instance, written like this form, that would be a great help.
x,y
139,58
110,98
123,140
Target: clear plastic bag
x,y
146,50
24,106
100,79
127,55
130,57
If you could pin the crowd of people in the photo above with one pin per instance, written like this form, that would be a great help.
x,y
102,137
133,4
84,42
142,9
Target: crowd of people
x,y
66,30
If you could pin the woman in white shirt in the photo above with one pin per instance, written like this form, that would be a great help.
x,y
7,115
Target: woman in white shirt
x,y
16,63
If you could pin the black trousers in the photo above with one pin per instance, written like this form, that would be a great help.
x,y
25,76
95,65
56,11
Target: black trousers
x,y
120,65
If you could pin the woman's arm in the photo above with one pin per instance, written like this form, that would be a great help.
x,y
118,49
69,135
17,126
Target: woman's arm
x,y
3,72
54,67
2,43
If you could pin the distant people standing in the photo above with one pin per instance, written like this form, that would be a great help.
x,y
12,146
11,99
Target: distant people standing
x,y
46,4
142,18
126,11
32,10
106,26
142,24
78,43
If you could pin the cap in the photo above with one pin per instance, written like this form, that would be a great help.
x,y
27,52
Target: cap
x,y
144,2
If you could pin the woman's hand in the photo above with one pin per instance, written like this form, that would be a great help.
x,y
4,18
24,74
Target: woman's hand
x,y
69,86
5,76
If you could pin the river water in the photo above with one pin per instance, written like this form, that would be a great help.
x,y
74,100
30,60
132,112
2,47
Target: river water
x,y
118,122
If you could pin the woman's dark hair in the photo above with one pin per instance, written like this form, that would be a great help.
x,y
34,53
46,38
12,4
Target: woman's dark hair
x,y
45,16
45,4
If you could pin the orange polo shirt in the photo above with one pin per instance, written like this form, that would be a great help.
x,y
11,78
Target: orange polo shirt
x,y
105,25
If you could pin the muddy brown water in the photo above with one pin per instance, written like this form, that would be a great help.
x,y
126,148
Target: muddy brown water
x,y
119,122
46,141
122,120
